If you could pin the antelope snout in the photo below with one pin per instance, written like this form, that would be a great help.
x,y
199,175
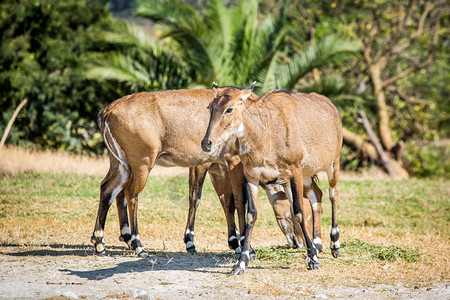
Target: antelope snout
x,y
206,145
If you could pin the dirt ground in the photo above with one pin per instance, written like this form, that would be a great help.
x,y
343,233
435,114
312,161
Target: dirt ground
x,y
65,271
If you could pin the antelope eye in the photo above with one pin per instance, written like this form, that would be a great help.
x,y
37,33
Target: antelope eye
x,y
229,110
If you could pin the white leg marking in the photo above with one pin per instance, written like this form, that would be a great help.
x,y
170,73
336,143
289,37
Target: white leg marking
x,y
313,200
98,233
134,237
232,238
242,265
284,225
290,239
335,245
317,241
287,214
125,230
289,195
334,231
249,219
332,192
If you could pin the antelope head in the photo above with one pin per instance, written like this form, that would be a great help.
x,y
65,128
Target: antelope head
x,y
225,115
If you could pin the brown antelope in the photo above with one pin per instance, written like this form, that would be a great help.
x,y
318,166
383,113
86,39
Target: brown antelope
x,y
281,136
166,128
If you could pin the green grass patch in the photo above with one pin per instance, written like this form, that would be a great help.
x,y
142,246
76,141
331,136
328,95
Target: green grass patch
x,y
389,253
282,256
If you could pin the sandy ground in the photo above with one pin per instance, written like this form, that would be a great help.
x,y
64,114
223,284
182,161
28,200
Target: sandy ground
x,y
30,272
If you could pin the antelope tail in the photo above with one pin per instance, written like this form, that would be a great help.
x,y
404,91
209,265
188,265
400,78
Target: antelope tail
x,y
110,141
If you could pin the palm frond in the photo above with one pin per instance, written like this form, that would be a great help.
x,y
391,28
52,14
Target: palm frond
x,y
118,67
319,54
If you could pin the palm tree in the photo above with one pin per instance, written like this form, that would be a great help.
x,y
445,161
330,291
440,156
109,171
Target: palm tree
x,y
139,61
228,44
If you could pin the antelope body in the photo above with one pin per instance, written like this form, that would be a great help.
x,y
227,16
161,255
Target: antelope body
x,y
281,136
165,128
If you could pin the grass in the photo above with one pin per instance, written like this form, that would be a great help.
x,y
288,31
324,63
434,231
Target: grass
x,y
389,253
391,231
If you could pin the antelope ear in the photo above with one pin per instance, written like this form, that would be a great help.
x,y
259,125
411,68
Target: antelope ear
x,y
247,91
215,89
251,86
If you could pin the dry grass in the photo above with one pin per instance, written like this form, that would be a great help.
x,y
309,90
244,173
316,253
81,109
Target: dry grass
x,y
50,209
15,160
20,160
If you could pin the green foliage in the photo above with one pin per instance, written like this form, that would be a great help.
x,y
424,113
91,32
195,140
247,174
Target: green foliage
x,y
138,61
229,44
70,58
42,46
428,160
389,253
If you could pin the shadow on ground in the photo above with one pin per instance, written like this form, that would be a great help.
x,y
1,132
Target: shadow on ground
x,y
59,250
124,260
169,261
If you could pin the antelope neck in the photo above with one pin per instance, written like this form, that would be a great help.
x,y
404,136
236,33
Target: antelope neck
x,y
255,128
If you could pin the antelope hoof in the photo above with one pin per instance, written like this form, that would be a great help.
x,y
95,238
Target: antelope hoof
x,y
190,247
191,250
99,247
143,254
335,246
252,253
100,253
313,265
335,252
238,250
237,269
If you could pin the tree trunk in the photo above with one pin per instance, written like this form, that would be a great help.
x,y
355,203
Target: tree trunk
x,y
358,144
393,167
383,122
11,121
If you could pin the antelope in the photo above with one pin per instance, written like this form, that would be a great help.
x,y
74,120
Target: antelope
x,y
155,128
285,137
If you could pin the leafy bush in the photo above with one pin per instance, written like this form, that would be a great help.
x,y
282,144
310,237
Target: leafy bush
x,y
428,160
43,44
